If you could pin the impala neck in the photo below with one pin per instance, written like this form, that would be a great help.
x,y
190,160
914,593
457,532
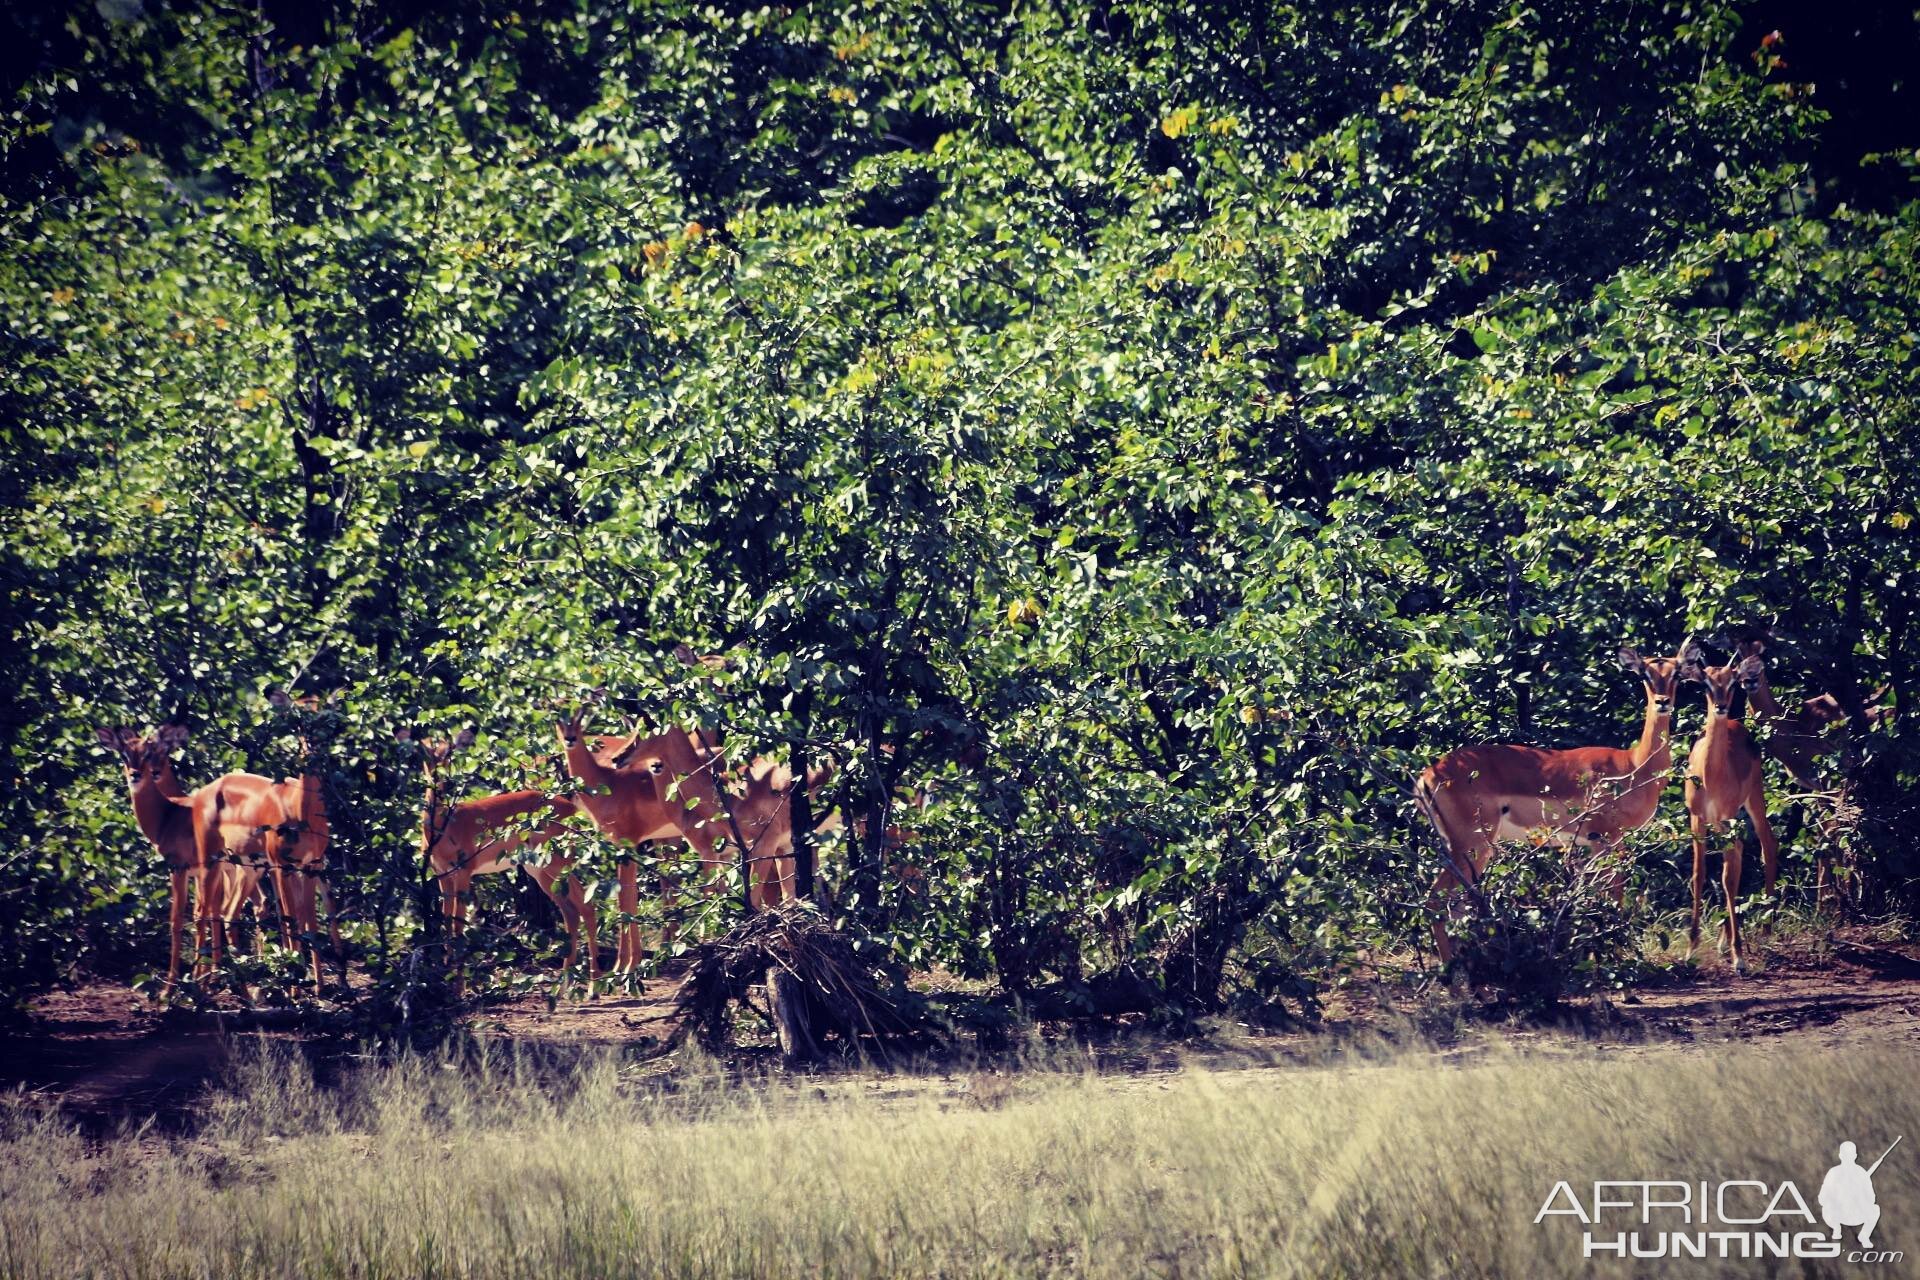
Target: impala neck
x,y
1656,735
1760,698
584,766
433,822
169,785
150,805
313,804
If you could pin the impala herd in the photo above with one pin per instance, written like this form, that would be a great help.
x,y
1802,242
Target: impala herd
x,y
1589,798
220,841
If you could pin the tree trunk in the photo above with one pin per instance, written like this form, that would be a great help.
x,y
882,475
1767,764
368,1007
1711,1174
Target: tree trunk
x,y
792,1016
801,805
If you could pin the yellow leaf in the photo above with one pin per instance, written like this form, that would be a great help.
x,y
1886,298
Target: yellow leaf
x,y
420,448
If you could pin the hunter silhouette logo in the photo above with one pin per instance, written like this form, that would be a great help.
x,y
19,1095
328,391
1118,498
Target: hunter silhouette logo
x,y
1734,1218
1846,1196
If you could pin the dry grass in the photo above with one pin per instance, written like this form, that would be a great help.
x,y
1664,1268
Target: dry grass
x,y
1412,1167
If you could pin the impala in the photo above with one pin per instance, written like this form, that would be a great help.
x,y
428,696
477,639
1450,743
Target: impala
x,y
765,817
297,845
1724,776
165,817
469,838
1588,797
244,824
658,788
229,819
766,821
1798,736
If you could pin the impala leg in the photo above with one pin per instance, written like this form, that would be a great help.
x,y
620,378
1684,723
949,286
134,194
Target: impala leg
x,y
217,878
280,894
1698,824
258,898
1730,879
233,900
1441,901
207,928
548,880
589,925
458,886
1443,885
309,892
581,919
176,922
773,884
627,951
1769,845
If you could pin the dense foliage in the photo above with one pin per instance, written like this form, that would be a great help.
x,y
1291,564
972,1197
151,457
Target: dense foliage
x,y
1160,432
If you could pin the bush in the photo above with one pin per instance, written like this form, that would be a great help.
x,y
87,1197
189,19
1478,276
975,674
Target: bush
x,y
1540,927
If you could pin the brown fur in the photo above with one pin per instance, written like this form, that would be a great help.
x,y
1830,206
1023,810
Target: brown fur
x,y
1585,797
479,837
1724,777
627,800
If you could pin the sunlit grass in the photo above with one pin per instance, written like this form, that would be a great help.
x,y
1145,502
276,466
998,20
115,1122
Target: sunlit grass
x,y
1414,1166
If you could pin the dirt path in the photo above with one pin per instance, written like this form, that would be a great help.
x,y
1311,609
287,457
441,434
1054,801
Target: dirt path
x,y
106,1056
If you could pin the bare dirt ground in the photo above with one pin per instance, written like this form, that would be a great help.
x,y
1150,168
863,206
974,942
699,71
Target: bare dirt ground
x,y
108,1057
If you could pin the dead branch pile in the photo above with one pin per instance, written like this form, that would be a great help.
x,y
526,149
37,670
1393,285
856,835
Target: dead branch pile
x,y
819,986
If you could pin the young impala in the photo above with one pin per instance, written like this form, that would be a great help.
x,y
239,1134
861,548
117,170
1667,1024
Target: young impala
x,y
1588,797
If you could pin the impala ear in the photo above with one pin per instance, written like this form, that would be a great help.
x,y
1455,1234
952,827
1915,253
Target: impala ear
x,y
278,697
463,739
1750,670
109,738
1693,664
1630,659
171,737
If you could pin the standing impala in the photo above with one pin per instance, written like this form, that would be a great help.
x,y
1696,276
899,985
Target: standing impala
x,y
471,838
1724,776
765,815
1797,736
166,820
1587,796
244,824
230,818
627,798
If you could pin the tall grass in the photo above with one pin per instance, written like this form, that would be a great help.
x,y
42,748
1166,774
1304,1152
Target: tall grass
x,y
1410,1167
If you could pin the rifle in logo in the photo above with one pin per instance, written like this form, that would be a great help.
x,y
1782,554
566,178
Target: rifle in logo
x,y
1846,1194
